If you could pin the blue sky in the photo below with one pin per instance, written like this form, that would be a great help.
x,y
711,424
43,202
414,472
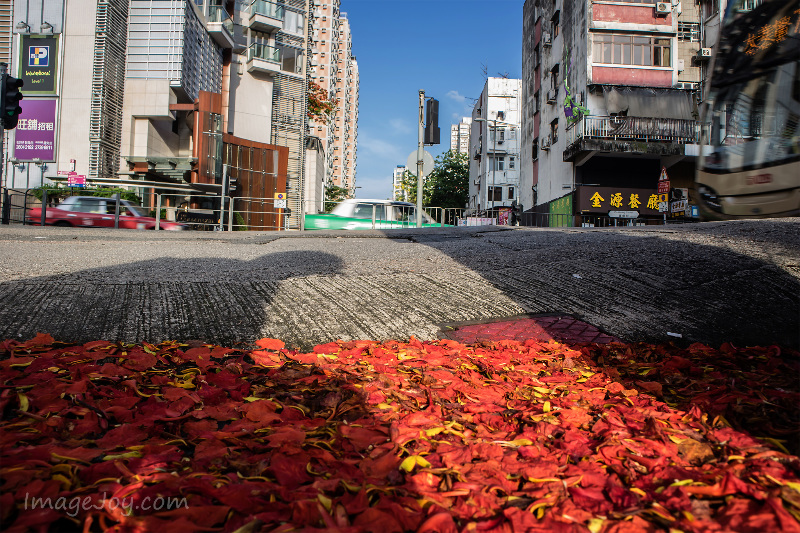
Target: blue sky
x,y
439,46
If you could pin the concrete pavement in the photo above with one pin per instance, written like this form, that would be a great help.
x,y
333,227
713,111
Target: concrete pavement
x,y
713,282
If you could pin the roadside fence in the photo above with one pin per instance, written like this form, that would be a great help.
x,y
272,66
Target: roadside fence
x,y
214,213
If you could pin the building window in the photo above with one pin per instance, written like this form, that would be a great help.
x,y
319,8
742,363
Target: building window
x,y
537,58
631,50
500,163
535,149
554,131
511,193
554,77
536,102
512,163
495,194
555,24
501,115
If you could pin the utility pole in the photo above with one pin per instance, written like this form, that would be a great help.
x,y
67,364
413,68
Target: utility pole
x,y
420,154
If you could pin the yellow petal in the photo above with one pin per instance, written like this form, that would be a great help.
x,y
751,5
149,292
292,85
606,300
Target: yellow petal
x,y
410,462
24,404
595,525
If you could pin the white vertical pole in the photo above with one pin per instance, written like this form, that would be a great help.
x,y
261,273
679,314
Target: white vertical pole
x,y
420,153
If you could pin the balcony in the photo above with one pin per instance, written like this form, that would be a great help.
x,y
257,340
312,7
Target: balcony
x,y
220,26
638,135
265,16
263,58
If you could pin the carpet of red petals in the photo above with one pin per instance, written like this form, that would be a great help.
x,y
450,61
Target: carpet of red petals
x,y
389,437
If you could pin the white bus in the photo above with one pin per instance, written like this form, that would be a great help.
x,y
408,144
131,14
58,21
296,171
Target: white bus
x,y
751,165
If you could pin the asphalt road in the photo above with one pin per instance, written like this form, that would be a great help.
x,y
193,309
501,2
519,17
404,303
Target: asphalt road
x,y
715,282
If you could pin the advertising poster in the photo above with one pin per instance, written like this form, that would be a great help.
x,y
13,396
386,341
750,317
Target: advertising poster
x,y
38,67
35,136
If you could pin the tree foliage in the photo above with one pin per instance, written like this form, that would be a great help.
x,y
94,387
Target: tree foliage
x,y
333,195
446,186
320,106
59,190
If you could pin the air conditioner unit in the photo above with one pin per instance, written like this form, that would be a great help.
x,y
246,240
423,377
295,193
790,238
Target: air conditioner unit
x,y
663,8
546,143
546,40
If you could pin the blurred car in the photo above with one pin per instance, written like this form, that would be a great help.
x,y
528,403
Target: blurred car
x,y
358,214
97,212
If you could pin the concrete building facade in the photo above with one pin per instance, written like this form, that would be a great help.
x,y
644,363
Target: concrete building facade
x,y
459,136
335,69
398,193
494,146
168,92
609,91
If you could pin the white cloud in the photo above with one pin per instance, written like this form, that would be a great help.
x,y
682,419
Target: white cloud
x,y
456,97
379,147
463,102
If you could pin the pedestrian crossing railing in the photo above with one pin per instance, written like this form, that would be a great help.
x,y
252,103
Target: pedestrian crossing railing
x,y
215,213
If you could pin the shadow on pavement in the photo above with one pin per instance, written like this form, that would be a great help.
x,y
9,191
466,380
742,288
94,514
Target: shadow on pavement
x,y
710,283
211,300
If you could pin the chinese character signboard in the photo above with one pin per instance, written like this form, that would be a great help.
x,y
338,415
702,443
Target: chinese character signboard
x,y
38,64
601,200
76,180
35,136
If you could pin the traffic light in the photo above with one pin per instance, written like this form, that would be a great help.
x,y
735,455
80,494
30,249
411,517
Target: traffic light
x,y
432,121
10,104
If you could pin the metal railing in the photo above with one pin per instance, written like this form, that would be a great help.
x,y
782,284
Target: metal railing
x,y
268,9
264,52
634,128
218,14
215,213
14,205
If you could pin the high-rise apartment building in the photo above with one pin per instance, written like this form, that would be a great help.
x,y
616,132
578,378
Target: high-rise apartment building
x,y
459,136
171,92
494,146
398,193
609,100
335,69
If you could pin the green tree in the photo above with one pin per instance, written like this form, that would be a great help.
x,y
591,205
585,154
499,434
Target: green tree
x,y
59,190
333,195
448,183
446,186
